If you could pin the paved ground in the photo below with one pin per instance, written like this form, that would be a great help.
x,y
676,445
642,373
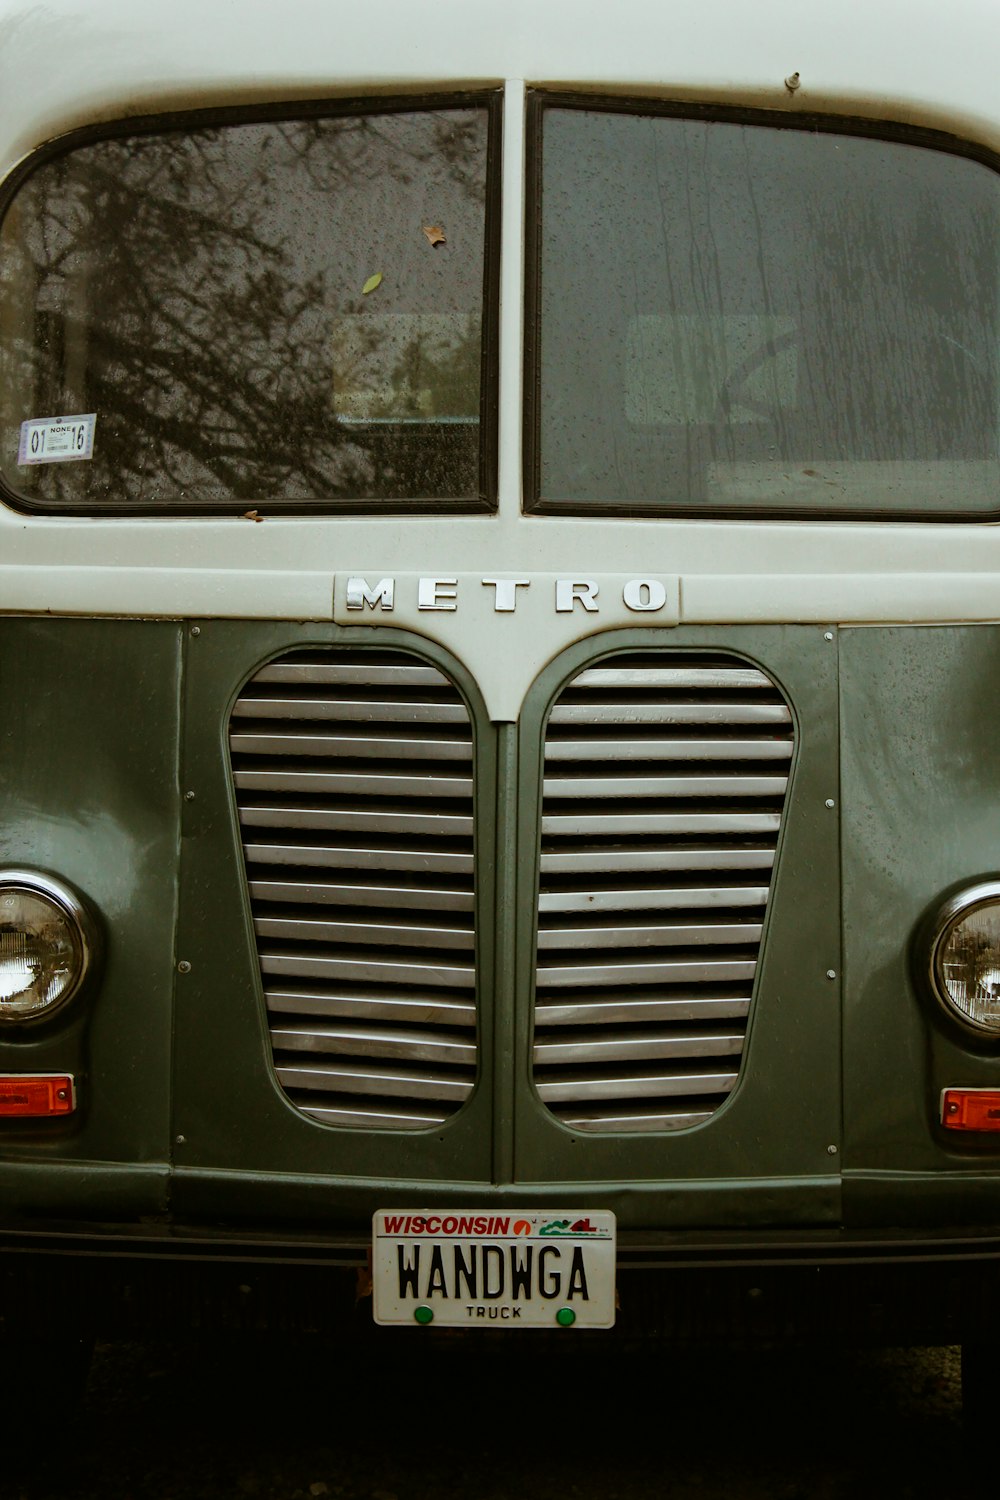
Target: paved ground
x,y
289,1419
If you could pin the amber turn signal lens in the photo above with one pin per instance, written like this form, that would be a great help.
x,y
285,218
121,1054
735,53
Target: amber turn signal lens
x,y
35,1095
970,1109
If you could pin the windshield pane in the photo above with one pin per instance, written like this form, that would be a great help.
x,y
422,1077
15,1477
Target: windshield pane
x,y
741,318
285,312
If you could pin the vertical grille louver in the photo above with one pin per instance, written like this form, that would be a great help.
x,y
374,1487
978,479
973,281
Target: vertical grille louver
x,y
664,787
353,774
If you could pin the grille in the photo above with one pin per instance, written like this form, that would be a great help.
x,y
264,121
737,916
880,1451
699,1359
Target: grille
x,y
664,787
353,776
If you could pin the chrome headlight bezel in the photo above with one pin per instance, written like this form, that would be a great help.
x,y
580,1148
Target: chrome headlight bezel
x,y
961,905
82,932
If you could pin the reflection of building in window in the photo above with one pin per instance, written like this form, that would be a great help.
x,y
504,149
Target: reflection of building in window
x,y
734,316
709,368
181,285
399,367
971,970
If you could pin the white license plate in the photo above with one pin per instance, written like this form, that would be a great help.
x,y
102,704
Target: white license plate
x,y
481,1269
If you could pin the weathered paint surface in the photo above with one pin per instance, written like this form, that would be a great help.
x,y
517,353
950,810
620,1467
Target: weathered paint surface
x,y
112,731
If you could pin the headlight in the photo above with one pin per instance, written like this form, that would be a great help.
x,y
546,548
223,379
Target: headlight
x,y
965,959
46,944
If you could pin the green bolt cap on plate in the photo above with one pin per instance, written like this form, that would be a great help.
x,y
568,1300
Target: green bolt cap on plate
x,y
424,1314
565,1317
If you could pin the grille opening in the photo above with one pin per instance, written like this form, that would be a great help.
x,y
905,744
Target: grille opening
x,y
353,778
664,787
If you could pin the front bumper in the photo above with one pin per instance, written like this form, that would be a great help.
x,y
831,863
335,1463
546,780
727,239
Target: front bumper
x,y
769,1288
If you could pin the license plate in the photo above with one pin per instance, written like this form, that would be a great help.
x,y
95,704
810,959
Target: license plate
x,y
479,1269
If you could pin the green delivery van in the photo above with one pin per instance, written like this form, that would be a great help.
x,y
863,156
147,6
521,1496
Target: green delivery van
x,y
499,664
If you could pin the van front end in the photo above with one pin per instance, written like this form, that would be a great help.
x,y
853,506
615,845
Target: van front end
x,y
501,821
596,960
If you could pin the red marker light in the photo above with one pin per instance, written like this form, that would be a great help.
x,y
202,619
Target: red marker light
x,y
970,1109
35,1095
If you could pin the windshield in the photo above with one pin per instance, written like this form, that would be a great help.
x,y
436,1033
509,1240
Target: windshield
x,y
281,312
738,318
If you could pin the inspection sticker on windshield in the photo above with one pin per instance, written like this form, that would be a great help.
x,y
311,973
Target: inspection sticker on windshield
x,y
57,440
482,1269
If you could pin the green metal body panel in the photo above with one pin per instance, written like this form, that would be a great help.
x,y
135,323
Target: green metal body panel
x,y
115,776
88,778
921,814
766,1151
227,1103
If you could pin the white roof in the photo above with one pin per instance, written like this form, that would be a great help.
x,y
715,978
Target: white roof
x,y
74,61
67,63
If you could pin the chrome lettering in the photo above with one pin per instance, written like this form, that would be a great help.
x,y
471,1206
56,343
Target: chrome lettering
x,y
644,595
505,601
437,593
570,591
380,597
